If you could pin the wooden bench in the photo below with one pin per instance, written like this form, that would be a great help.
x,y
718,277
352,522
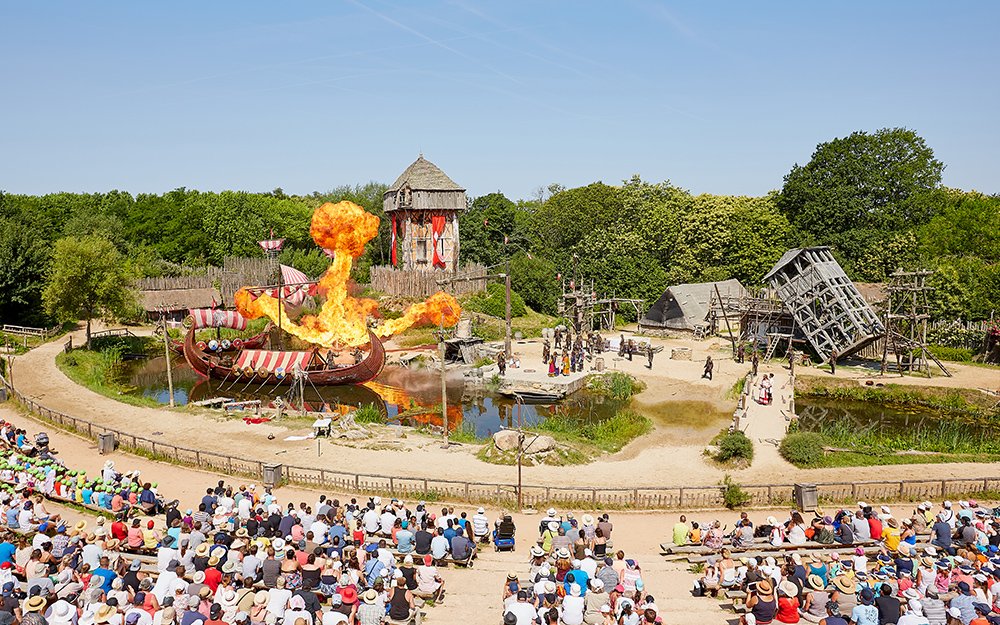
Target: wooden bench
x,y
738,598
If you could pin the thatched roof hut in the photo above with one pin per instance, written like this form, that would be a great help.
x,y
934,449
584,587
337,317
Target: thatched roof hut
x,y
176,302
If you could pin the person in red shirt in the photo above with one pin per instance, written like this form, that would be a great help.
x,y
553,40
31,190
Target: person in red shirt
x,y
119,530
874,526
213,577
788,603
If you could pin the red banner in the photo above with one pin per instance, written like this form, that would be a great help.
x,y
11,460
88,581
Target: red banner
x,y
437,229
392,240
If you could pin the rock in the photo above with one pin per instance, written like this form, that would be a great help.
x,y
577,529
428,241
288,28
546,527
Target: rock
x,y
506,440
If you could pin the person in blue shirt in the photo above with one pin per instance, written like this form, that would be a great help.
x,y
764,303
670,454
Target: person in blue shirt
x,y
12,518
106,573
404,538
88,492
576,576
147,499
7,551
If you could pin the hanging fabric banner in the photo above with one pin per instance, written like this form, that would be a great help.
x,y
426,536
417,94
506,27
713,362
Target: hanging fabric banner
x,y
437,229
392,240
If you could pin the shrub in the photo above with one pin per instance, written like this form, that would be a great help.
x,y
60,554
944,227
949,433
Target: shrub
x,y
954,354
616,385
733,495
803,449
492,302
734,446
368,413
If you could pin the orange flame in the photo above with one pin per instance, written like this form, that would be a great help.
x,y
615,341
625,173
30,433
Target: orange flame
x,y
345,228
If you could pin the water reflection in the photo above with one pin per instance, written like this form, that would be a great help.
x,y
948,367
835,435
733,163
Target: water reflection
x,y
406,396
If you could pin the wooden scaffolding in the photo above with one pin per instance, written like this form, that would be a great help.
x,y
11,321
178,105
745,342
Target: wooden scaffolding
x,y
825,305
906,315
580,304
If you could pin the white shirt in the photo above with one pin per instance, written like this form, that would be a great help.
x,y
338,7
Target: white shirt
x,y
386,521
144,617
572,610
525,612
243,508
331,617
480,524
589,566
370,521
277,600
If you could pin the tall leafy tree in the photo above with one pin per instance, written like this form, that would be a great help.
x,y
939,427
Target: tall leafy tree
x,y
484,227
23,258
87,279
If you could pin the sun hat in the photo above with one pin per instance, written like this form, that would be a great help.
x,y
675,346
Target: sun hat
x,y
537,551
260,597
34,604
575,590
562,553
764,587
815,582
104,613
370,596
843,584
202,550
551,512
588,519
481,510
553,526
789,589
771,520
348,594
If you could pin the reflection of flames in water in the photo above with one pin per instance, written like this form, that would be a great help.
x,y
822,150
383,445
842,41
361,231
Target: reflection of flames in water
x,y
345,228
405,403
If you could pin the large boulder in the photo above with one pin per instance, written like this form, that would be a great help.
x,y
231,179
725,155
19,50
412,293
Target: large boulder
x,y
506,440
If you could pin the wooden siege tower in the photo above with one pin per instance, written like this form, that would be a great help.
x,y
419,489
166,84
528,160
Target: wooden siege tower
x,y
906,314
826,306
423,206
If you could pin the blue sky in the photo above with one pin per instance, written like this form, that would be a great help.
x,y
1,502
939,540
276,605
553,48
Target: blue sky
x,y
718,97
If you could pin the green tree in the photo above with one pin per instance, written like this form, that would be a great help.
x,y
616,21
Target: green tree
x,y
23,258
535,279
483,227
87,278
861,181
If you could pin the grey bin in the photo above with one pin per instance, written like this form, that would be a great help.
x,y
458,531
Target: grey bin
x,y
106,443
806,497
272,475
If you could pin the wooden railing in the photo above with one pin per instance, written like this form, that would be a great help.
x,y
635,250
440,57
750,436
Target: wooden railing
x,y
504,494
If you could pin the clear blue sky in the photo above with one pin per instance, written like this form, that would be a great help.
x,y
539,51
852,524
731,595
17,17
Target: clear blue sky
x,y
719,97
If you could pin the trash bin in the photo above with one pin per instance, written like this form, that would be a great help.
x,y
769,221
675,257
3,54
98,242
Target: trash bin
x,y
272,475
105,443
806,497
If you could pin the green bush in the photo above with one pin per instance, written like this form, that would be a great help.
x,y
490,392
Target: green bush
x,y
733,495
803,449
492,302
616,385
368,413
734,446
955,354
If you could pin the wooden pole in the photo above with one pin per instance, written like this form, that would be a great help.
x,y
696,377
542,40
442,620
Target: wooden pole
x,y
444,382
506,338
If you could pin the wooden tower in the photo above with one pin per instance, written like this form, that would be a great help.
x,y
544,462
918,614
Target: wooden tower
x,y
824,303
423,206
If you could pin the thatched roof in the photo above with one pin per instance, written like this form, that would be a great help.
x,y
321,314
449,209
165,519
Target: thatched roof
x,y
424,175
179,299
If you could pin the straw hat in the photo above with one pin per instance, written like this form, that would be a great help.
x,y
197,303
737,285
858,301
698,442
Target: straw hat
x,y
104,613
843,584
260,597
80,526
370,596
34,604
202,550
815,582
789,589
765,587
588,519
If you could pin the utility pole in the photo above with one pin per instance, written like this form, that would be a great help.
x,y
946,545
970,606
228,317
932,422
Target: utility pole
x,y
444,382
506,338
166,354
520,449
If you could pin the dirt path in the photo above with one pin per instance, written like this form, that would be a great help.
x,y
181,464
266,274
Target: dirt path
x,y
766,424
663,458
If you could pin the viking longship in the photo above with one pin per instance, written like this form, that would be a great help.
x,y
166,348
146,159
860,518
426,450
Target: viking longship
x,y
202,318
284,366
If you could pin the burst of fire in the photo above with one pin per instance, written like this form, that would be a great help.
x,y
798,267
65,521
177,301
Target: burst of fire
x,y
345,228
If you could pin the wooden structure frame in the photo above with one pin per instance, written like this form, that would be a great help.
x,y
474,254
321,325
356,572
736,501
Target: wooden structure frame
x,y
826,306
906,315
580,304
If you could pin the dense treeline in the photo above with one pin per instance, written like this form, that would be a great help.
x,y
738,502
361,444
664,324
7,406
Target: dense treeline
x,y
875,198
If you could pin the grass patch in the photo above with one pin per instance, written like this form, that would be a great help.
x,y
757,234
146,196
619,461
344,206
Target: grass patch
x,y
952,400
99,369
737,388
954,354
806,449
616,385
609,435
803,449
466,434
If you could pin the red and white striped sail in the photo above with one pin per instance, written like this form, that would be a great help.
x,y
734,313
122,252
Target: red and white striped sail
x,y
216,318
272,362
298,286
271,245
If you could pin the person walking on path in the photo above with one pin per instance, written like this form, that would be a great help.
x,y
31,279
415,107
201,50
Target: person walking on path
x,y
833,362
502,363
649,356
755,362
709,366
740,353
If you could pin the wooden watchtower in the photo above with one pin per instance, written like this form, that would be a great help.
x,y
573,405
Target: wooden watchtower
x,y
825,304
423,206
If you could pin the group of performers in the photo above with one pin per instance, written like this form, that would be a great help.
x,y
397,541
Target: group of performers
x,y
575,351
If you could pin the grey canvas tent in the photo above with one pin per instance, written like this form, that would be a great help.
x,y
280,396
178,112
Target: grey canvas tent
x,y
685,306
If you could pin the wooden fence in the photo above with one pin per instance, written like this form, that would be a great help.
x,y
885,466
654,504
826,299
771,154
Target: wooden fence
x,y
426,282
504,494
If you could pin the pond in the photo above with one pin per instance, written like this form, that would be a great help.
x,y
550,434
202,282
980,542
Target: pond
x,y
406,396
896,426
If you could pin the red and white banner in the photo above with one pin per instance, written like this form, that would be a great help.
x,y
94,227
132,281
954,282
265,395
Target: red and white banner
x,y
437,229
272,362
392,240
271,245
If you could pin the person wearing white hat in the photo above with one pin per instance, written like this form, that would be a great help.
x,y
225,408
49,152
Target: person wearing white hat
x,y
592,602
481,526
